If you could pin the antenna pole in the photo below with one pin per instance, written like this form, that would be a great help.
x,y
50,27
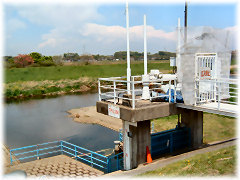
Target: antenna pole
x,y
128,52
145,45
145,77
185,22
178,46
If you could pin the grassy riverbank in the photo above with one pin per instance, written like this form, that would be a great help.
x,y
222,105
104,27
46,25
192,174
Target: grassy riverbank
x,y
216,163
30,82
77,71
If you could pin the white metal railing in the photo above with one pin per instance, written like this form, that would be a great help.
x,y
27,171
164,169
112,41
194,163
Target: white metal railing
x,y
114,89
216,90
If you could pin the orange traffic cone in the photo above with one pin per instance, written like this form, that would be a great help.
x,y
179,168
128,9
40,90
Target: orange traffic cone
x,y
149,157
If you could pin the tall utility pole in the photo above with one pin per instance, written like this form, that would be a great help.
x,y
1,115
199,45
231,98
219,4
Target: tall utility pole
x,y
185,22
128,51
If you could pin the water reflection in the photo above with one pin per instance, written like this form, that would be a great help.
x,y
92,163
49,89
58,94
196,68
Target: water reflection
x,y
38,121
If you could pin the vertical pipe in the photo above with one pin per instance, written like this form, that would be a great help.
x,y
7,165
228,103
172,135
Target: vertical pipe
x,y
145,45
175,93
169,91
75,149
114,91
37,152
128,52
219,95
91,160
185,22
11,157
99,90
133,95
178,47
61,147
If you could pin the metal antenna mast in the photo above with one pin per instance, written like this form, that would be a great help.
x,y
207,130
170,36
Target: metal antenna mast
x,y
185,22
128,52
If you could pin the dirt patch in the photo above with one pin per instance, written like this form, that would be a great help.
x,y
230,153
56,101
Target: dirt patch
x,y
89,115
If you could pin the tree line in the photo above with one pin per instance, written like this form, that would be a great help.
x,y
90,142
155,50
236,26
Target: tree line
x,y
37,59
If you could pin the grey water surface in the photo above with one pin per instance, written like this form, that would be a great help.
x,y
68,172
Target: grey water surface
x,y
44,120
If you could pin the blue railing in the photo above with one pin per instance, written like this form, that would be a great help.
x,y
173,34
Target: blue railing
x,y
120,135
106,164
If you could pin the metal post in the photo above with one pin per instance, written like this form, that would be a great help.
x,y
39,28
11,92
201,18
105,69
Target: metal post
x,y
169,91
99,90
61,147
195,94
145,45
75,148
175,93
178,47
133,95
185,22
219,95
114,91
11,157
91,160
37,152
145,77
215,90
128,51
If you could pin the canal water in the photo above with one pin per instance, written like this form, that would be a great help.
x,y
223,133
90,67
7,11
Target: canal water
x,y
44,120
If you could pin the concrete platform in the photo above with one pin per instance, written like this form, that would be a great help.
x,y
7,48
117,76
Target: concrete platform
x,y
56,166
145,111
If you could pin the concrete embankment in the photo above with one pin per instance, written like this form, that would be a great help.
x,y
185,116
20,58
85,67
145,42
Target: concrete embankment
x,y
91,116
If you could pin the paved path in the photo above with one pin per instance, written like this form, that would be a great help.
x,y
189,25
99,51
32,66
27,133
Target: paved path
x,y
91,116
159,163
56,166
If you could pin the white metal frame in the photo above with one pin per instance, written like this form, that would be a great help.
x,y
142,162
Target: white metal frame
x,y
218,93
112,88
205,91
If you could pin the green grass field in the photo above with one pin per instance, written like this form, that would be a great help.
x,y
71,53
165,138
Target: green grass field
x,y
216,163
76,72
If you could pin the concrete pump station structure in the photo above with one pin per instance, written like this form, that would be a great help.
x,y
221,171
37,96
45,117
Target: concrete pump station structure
x,y
201,84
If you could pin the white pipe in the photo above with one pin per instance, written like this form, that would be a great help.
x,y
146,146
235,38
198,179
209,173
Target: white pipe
x,y
178,47
145,45
145,77
128,52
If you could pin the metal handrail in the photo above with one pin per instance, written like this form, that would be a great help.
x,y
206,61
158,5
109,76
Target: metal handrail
x,y
113,91
220,91
91,157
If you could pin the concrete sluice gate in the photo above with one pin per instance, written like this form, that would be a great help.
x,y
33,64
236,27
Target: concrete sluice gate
x,y
201,84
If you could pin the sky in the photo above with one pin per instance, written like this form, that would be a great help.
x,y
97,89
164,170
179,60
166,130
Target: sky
x,y
99,28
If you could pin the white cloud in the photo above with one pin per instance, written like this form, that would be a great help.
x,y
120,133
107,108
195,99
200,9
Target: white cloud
x,y
108,39
14,24
74,28
60,15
